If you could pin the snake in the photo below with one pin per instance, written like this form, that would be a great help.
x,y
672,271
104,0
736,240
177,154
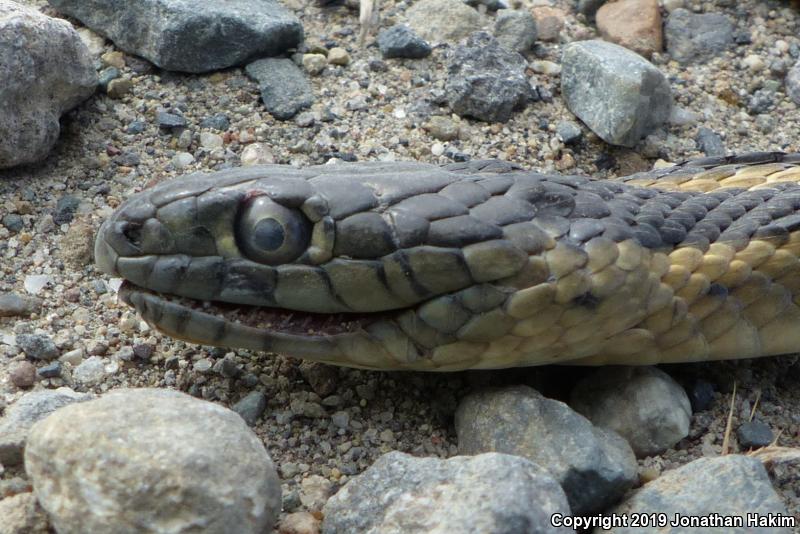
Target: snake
x,y
473,265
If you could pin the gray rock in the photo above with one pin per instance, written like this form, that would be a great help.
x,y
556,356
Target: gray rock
x,y
792,83
46,71
488,494
150,460
168,120
709,142
690,37
191,35
13,222
761,101
285,90
443,20
21,416
251,407
90,371
594,466
617,93
569,132
725,486
400,41
15,305
643,404
66,206
218,121
515,30
754,434
22,515
485,80
107,75
51,370
38,346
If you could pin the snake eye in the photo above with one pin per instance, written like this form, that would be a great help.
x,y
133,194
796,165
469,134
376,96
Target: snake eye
x,y
271,233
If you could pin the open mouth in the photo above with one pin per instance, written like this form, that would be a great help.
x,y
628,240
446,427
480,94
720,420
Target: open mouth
x,y
265,319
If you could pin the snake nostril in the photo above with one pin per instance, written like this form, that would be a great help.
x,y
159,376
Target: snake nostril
x,y
133,232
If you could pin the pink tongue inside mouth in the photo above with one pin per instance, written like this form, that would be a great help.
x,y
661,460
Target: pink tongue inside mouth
x,y
272,319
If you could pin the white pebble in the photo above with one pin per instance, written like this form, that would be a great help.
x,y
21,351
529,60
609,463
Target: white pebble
x,y
35,283
257,154
437,149
543,66
182,160
754,62
210,140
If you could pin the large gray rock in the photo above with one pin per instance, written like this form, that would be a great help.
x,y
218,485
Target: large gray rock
x,y
487,494
694,36
617,93
24,413
191,35
643,404
485,80
731,486
45,70
151,461
594,466
285,90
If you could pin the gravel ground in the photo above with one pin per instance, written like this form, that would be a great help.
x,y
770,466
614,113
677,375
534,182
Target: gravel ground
x,y
339,425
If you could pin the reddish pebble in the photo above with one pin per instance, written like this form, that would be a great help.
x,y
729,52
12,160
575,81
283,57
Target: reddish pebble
x,y
23,374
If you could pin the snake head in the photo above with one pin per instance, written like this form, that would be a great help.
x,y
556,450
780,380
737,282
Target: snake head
x,y
362,265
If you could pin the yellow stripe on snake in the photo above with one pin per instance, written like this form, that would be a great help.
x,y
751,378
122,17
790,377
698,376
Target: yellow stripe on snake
x,y
473,265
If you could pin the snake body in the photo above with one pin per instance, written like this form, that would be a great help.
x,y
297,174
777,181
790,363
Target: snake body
x,y
473,265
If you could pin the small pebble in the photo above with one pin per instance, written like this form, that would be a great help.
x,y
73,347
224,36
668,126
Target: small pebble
x,y
181,160
754,434
251,407
338,56
51,370
23,374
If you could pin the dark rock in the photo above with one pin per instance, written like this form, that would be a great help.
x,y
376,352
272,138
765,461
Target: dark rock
x,y
322,378
51,370
219,122
754,434
692,37
168,120
143,351
251,407
617,93
198,36
701,395
285,90
66,207
594,466
485,80
709,142
490,493
589,7
38,347
400,41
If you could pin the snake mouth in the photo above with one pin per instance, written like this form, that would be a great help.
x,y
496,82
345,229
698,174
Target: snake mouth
x,y
316,335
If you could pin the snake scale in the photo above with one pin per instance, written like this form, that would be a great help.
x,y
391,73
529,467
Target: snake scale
x,y
472,265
